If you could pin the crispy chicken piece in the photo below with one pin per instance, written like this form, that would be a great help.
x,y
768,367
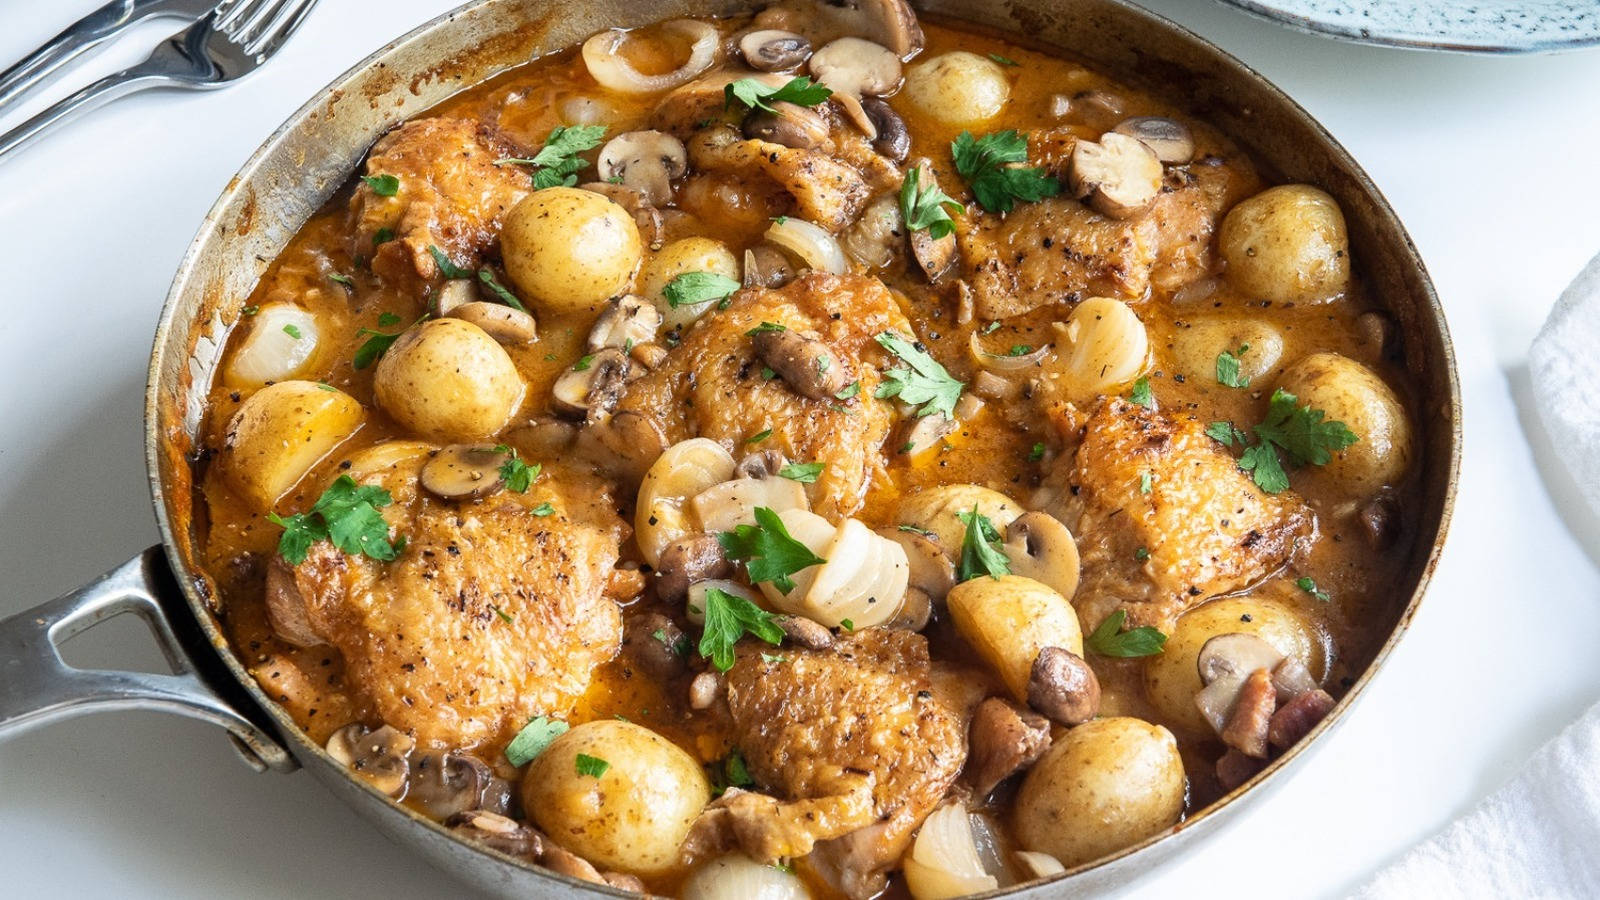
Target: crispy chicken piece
x,y
826,191
712,385
451,196
1206,527
854,747
490,616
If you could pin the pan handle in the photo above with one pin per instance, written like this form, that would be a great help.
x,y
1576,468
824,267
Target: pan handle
x,y
37,686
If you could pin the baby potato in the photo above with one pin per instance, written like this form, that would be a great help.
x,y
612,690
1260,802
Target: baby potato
x,y
1349,392
692,254
959,88
1172,677
1287,243
1195,349
634,815
1009,619
1104,345
570,250
934,509
280,432
448,380
1103,785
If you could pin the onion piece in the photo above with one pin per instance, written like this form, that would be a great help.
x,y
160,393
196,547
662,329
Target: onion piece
x,y
272,351
695,608
864,579
612,70
585,110
944,859
813,244
999,363
737,877
1039,865
722,506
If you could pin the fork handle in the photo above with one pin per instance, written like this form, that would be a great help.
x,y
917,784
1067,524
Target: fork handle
x,y
36,68
97,94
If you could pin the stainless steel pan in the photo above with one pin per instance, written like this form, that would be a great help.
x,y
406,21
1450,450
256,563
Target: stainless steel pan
x,y
303,163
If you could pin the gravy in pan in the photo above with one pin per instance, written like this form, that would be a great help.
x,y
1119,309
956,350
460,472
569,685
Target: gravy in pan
x,y
1105,506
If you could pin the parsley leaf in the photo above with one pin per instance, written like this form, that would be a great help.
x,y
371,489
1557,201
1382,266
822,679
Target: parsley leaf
x,y
986,164
533,739
1261,461
758,437
292,331
849,391
449,270
1145,482
730,617
300,531
765,328
1037,453
1141,395
925,382
768,551
847,625
736,771
1110,640
486,276
1004,60
377,343
1309,585
801,91
980,548
346,514
695,288
387,320
592,766
543,509
517,475
926,206
1228,368
345,280
1225,434
382,185
558,161
805,473
1301,431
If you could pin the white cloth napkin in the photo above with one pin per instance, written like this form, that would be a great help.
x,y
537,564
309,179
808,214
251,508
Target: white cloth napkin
x,y
1538,835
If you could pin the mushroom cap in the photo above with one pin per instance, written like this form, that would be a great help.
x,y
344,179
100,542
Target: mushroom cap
x,y
501,322
1171,140
774,50
464,472
853,67
1042,548
1119,176
647,160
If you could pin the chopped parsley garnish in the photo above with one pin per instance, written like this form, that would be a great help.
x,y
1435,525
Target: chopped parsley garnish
x,y
765,328
533,739
1004,60
980,548
382,185
1110,640
1145,482
583,363
773,658
849,390
916,529
695,288
735,770
377,343
292,331
991,328
504,617
1142,554
382,236
592,766
925,206
341,279
1037,453
1299,431
758,437
1140,395
986,164
558,161
847,625
767,550
680,646
1309,585
801,91
805,473
1228,368
387,320
544,509
250,310
730,617
346,514
486,276
449,270
924,382
515,474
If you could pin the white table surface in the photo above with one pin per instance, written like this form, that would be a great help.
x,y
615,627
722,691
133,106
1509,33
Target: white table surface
x,y
1491,161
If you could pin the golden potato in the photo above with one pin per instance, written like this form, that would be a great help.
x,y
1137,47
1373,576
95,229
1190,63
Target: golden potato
x,y
633,815
1195,349
448,380
1008,620
1287,243
934,509
570,250
692,254
1103,345
1103,785
1172,677
280,432
959,88
1349,392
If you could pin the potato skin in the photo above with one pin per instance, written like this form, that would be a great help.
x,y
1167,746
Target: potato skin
x,y
569,250
280,432
1172,677
1008,620
634,817
448,380
1287,243
1103,785
934,509
958,88
1196,348
1349,392
691,254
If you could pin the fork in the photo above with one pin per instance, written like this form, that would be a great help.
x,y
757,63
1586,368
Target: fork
x,y
237,38
88,32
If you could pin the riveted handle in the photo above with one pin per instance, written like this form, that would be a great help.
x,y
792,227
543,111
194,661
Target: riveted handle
x,y
37,686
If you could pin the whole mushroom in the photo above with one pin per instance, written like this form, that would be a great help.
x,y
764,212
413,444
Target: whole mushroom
x,y
774,50
381,755
646,160
854,68
1119,176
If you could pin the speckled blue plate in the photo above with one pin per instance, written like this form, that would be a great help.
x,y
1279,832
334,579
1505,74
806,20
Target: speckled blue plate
x,y
1467,26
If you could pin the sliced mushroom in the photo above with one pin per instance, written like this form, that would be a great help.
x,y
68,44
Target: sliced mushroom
x,y
803,361
1003,739
497,832
381,756
1042,548
1377,330
805,632
453,294
916,609
876,234
968,407
1170,139
1292,678
646,160
626,445
657,645
464,472
1118,176
543,436
645,215
761,464
1380,519
931,568
934,256
891,23
625,323
499,321
774,50
1235,655
445,784
605,62
992,387
562,861
925,432
704,690
688,560
894,139
1095,106
790,125
1246,727
1063,687
1297,717
593,391
766,266
854,68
